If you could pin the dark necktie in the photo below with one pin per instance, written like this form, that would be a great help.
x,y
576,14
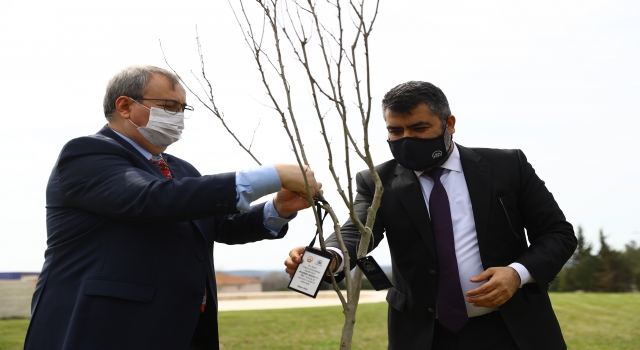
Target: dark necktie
x,y
164,169
450,303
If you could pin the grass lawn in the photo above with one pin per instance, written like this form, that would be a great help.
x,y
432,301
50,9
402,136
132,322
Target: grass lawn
x,y
309,328
12,333
599,321
589,321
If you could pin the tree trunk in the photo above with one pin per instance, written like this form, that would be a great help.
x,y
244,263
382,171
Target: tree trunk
x,y
350,310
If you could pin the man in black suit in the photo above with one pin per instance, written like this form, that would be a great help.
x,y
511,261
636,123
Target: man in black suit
x,y
464,277
129,262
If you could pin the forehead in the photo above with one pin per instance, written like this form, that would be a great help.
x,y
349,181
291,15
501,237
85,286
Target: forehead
x,y
160,86
419,113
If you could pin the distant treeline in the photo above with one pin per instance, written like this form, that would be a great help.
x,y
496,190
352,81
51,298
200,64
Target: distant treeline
x,y
608,270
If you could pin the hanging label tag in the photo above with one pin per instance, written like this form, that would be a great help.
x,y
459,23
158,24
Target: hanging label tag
x,y
310,272
374,273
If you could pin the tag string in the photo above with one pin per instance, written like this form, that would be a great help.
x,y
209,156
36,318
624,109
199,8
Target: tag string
x,y
318,202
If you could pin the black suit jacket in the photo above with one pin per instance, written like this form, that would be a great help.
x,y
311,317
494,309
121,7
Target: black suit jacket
x,y
507,197
129,252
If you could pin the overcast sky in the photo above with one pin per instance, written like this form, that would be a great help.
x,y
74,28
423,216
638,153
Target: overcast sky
x,y
558,79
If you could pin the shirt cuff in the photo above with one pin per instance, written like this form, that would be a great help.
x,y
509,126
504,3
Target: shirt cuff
x,y
272,221
341,267
525,276
254,183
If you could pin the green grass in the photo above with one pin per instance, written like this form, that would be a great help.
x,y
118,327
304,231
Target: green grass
x,y
308,328
12,333
588,321
599,321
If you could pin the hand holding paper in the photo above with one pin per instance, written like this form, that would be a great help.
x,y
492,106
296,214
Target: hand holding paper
x,y
295,258
308,276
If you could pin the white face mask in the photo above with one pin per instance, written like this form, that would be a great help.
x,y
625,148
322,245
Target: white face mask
x,y
163,128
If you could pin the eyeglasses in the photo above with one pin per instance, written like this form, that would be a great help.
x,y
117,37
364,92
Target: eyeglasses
x,y
170,106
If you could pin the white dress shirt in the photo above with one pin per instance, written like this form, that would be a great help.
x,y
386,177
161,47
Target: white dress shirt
x,y
464,229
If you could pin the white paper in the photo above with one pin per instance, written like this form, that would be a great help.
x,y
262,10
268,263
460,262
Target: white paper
x,y
309,274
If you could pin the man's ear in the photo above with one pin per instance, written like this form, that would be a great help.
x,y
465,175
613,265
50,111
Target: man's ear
x,y
451,124
123,107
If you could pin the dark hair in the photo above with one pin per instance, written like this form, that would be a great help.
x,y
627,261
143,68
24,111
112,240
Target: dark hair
x,y
131,81
407,96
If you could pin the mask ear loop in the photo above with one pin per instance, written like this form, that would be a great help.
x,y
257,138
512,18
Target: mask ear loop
x,y
445,131
133,123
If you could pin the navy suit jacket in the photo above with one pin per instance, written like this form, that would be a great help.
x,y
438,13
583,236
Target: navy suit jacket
x,y
506,196
129,252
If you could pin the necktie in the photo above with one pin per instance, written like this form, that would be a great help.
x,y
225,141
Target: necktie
x,y
164,169
162,165
452,311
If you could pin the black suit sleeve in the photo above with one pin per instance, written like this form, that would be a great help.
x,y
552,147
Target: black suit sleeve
x,y
551,237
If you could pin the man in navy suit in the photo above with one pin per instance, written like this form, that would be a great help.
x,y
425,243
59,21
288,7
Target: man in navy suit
x,y
129,262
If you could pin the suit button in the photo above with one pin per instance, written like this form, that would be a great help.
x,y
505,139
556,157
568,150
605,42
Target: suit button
x,y
433,272
225,204
431,310
199,294
200,256
218,203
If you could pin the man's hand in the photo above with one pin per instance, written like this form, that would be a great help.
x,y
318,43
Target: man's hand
x,y
287,203
295,258
292,179
503,283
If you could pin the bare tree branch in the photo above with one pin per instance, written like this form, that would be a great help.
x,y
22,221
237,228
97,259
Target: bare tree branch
x,y
271,16
299,34
254,133
214,110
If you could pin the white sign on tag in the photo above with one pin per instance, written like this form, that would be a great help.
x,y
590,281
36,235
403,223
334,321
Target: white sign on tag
x,y
310,272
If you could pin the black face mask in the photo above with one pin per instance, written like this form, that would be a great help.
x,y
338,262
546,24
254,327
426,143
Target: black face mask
x,y
421,154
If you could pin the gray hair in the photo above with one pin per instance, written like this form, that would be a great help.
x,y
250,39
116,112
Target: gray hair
x,y
131,81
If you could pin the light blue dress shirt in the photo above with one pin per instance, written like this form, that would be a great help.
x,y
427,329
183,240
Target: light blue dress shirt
x,y
251,184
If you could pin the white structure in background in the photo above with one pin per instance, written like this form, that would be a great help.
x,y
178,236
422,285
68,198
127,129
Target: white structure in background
x,y
233,284
15,296
16,291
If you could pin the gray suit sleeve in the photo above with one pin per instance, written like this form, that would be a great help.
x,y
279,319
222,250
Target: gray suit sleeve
x,y
350,234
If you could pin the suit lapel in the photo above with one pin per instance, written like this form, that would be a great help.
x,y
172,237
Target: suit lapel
x,y
407,187
478,177
107,132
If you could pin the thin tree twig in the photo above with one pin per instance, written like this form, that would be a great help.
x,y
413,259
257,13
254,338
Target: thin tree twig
x,y
300,157
254,133
213,110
